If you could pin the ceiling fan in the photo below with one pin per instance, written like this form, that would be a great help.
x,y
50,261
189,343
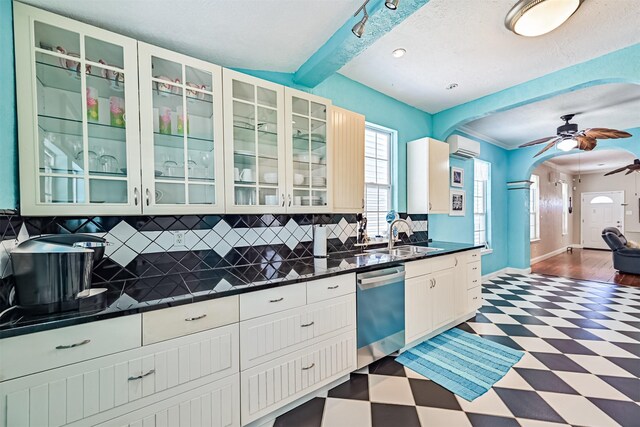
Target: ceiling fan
x,y
635,166
569,137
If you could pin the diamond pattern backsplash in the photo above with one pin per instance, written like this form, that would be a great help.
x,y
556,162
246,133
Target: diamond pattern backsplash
x,y
147,246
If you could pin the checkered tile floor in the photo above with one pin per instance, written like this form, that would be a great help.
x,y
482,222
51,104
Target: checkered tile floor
x,y
581,366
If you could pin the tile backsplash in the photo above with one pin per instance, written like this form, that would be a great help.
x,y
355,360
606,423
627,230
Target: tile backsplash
x,y
147,246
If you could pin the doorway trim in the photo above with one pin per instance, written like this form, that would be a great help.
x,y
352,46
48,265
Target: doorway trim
x,y
582,210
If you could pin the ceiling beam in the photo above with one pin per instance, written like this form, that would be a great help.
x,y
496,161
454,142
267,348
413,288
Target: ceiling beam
x,y
343,46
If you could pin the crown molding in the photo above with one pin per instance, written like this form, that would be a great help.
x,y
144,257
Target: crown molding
x,y
471,132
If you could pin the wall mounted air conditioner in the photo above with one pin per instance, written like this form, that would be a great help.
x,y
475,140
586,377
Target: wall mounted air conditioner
x,y
462,147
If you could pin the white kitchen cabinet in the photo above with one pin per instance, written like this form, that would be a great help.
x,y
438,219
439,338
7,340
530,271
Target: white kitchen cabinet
x,y
347,160
96,390
77,99
418,310
254,132
427,176
442,296
308,150
274,384
181,133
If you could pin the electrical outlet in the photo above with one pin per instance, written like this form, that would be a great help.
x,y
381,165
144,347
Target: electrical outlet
x,y
178,238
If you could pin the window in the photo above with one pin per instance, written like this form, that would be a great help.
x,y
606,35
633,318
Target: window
x,y
534,207
481,202
377,178
565,208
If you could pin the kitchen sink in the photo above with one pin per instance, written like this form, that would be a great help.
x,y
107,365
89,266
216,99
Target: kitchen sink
x,y
402,251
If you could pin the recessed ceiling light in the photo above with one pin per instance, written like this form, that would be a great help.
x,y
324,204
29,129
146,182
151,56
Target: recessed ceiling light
x,y
451,86
399,53
533,18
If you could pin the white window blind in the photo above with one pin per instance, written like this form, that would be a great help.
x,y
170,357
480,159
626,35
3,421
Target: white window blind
x,y
565,208
534,207
481,185
377,177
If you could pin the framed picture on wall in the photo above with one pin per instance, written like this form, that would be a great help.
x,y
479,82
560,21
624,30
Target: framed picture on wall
x,y
458,202
457,177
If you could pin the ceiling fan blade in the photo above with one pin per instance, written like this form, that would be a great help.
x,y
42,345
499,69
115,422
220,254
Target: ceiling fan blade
x,y
616,171
586,143
537,141
551,144
630,171
605,133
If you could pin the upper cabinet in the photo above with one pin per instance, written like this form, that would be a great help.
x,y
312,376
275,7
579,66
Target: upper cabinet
x,y
254,144
308,149
427,176
347,161
181,133
77,99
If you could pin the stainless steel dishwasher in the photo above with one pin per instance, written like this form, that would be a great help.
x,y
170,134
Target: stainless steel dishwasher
x,y
380,313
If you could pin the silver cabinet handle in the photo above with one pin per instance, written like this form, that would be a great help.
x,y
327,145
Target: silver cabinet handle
x,y
475,281
283,200
309,367
429,205
289,195
456,262
362,203
276,300
139,377
147,196
78,344
435,282
333,287
475,268
191,319
475,297
135,196
306,325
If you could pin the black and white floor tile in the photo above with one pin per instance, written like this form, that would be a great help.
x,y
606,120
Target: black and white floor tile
x,y
581,366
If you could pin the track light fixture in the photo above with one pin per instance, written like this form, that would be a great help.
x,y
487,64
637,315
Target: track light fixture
x,y
391,4
358,29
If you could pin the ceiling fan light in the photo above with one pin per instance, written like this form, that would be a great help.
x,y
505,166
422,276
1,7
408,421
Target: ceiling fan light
x,y
531,18
567,144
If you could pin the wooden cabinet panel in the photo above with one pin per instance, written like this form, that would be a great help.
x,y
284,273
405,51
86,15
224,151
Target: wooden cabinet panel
x,y
347,160
119,381
216,404
460,284
438,177
474,274
323,289
474,301
27,354
418,311
260,303
267,337
272,385
427,176
442,296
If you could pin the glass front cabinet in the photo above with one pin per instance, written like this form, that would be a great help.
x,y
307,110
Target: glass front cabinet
x,y
77,96
181,133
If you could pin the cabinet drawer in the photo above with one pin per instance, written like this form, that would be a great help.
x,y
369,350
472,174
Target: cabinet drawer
x,y
268,337
98,390
474,300
474,274
442,263
474,255
160,325
260,303
417,268
273,385
322,289
216,404
31,353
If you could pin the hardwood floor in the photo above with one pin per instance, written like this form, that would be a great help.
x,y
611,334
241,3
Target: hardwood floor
x,y
585,264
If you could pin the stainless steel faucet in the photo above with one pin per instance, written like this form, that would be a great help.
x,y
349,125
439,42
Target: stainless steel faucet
x,y
393,223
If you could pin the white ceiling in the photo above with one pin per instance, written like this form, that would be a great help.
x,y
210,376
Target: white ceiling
x,y
615,105
275,35
592,161
466,42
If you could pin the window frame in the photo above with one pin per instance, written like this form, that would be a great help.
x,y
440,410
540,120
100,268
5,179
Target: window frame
x,y
534,208
485,200
389,187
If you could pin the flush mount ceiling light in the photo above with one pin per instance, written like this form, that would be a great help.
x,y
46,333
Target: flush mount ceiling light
x,y
358,29
451,86
533,18
398,53
392,4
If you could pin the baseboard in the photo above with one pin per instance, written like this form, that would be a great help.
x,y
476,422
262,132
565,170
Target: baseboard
x,y
506,270
550,254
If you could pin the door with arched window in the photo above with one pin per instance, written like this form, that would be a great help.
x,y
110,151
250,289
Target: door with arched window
x,y
601,210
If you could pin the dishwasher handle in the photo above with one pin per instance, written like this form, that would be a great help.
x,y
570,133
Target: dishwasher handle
x,y
382,280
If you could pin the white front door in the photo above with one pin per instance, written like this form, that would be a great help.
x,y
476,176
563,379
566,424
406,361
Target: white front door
x,y
601,210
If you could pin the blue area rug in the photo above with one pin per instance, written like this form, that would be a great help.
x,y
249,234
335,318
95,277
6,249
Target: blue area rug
x,y
463,363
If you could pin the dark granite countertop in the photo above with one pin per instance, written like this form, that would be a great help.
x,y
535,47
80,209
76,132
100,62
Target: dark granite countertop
x,y
136,296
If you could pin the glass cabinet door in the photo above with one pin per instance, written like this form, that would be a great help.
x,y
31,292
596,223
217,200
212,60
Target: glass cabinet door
x,y
255,151
181,110
307,152
84,90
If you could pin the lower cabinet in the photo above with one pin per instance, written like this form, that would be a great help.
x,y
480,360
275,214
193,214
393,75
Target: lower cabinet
x,y
442,292
418,308
216,404
272,385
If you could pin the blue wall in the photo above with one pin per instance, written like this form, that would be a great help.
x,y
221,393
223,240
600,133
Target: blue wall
x,y
8,135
